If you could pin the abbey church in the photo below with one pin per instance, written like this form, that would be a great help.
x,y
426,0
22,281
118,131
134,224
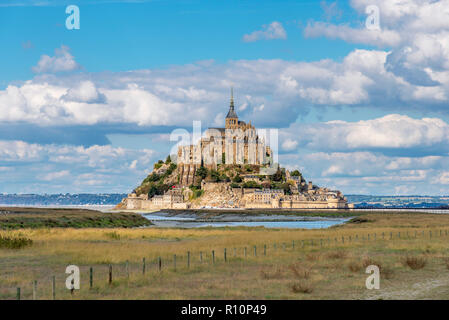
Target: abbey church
x,y
236,143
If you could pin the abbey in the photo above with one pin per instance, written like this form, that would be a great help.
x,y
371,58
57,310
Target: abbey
x,y
237,143
230,167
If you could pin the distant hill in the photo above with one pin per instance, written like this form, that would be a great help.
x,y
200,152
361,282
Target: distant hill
x,y
60,199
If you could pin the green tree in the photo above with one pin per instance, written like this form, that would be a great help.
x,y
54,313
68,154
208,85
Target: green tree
x,y
296,173
215,176
237,179
252,184
168,160
201,172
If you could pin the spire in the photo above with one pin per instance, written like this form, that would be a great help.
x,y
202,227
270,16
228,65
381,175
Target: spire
x,y
231,113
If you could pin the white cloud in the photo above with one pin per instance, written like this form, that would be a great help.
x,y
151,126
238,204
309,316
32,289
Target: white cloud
x,y
392,131
61,61
289,144
74,168
55,175
274,30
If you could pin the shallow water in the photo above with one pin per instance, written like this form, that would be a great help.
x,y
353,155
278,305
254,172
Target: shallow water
x,y
161,219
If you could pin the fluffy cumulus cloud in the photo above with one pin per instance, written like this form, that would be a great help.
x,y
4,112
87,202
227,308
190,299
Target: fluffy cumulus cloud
x,y
274,30
60,62
392,132
56,168
415,31
394,154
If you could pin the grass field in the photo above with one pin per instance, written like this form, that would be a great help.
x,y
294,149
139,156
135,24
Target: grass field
x,y
22,218
412,251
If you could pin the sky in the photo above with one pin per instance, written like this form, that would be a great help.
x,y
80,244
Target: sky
x,y
358,90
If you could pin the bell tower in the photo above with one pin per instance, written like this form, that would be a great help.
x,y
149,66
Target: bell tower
x,y
232,121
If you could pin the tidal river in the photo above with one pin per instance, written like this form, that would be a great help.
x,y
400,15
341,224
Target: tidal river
x,y
162,219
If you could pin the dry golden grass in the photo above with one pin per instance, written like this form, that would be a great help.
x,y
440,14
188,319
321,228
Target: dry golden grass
x,y
326,270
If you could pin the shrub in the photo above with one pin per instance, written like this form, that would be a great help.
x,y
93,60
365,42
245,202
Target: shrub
x,y
302,286
354,266
275,274
337,255
387,273
299,271
201,172
369,261
215,176
158,164
14,243
237,179
252,184
296,173
415,263
235,185
313,256
197,193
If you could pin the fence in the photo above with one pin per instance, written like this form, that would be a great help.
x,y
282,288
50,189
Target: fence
x,y
183,263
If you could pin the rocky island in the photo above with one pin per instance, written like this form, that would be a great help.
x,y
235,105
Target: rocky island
x,y
230,167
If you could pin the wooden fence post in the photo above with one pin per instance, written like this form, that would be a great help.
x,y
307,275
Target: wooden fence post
x,y
255,251
188,259
244,251
18,293
127,269
35,290
160,263
293,244
213,256
201,256
264,249
91,277
174,261
224,255
143,266
110,274
53,287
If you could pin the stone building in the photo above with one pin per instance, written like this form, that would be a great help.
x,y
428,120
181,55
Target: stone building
x,y
237,143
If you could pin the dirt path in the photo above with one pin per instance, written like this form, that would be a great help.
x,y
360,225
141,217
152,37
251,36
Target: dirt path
x,y
424,289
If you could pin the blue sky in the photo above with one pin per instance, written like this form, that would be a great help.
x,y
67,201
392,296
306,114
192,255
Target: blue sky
x,y
90,110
